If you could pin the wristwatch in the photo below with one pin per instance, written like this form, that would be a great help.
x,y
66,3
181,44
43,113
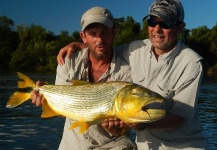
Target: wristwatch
x,y
143,126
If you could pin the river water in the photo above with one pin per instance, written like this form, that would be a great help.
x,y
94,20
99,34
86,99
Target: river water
x,y
22,127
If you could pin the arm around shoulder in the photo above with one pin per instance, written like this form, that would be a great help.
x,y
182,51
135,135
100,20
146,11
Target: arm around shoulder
x,y
68,50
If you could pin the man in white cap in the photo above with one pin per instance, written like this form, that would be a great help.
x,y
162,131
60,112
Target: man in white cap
x,y
165,65
96,63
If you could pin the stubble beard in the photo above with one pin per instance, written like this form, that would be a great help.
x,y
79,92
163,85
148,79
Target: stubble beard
x,y
99,54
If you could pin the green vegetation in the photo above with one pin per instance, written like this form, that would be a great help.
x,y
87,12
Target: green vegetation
x,y
35,49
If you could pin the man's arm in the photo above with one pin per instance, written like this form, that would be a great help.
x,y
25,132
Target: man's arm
x,y
68,50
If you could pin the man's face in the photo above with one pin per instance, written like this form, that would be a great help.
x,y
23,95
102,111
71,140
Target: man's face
x,y
99,39
164,39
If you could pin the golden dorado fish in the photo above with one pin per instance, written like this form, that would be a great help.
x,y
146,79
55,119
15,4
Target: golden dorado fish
x,y
90,103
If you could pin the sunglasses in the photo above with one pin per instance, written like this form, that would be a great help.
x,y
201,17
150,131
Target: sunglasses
x,y
162,24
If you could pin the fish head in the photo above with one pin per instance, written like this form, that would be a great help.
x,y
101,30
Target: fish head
x,y
135,104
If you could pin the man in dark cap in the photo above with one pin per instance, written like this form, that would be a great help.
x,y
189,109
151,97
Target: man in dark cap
x,y
165,65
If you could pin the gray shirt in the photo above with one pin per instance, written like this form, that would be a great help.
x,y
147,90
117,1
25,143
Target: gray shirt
x,y
177,76
76,68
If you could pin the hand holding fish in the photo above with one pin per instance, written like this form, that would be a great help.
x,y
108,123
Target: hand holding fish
x,y
36,96
137,126
114,126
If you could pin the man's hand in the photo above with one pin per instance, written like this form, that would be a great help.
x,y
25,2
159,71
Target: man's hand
x,y
114,126
36,96
65,51
68,50
137,126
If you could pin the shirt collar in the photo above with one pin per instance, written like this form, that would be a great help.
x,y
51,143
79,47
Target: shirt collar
x,y
85,59
111,68
169,55
112,64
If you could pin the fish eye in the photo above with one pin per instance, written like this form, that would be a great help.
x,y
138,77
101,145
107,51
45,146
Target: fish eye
x,y
136,92
150,94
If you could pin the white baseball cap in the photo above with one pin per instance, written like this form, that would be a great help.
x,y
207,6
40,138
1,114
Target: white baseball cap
x,y
97,15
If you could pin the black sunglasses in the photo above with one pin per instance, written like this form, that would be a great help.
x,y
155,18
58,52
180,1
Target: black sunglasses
x,y
162,24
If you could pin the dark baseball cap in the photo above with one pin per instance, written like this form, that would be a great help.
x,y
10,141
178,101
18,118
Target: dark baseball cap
x,y
170,11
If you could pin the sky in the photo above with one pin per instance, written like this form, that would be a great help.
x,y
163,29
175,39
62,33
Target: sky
x,y
65,15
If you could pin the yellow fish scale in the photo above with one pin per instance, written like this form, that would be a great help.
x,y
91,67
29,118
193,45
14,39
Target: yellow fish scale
x,y
84,102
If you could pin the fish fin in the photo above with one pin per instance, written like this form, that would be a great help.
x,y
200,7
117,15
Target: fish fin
x,y
46,83
75,124
47,110
17,98
79,82
27,81
83,126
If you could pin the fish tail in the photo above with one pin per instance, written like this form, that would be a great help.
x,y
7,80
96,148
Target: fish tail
x,y
27,82
17,98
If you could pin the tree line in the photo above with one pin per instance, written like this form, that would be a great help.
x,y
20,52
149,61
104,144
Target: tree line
x,y
33,48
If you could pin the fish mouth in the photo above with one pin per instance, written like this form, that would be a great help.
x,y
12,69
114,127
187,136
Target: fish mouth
x,y
157,104
153,110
